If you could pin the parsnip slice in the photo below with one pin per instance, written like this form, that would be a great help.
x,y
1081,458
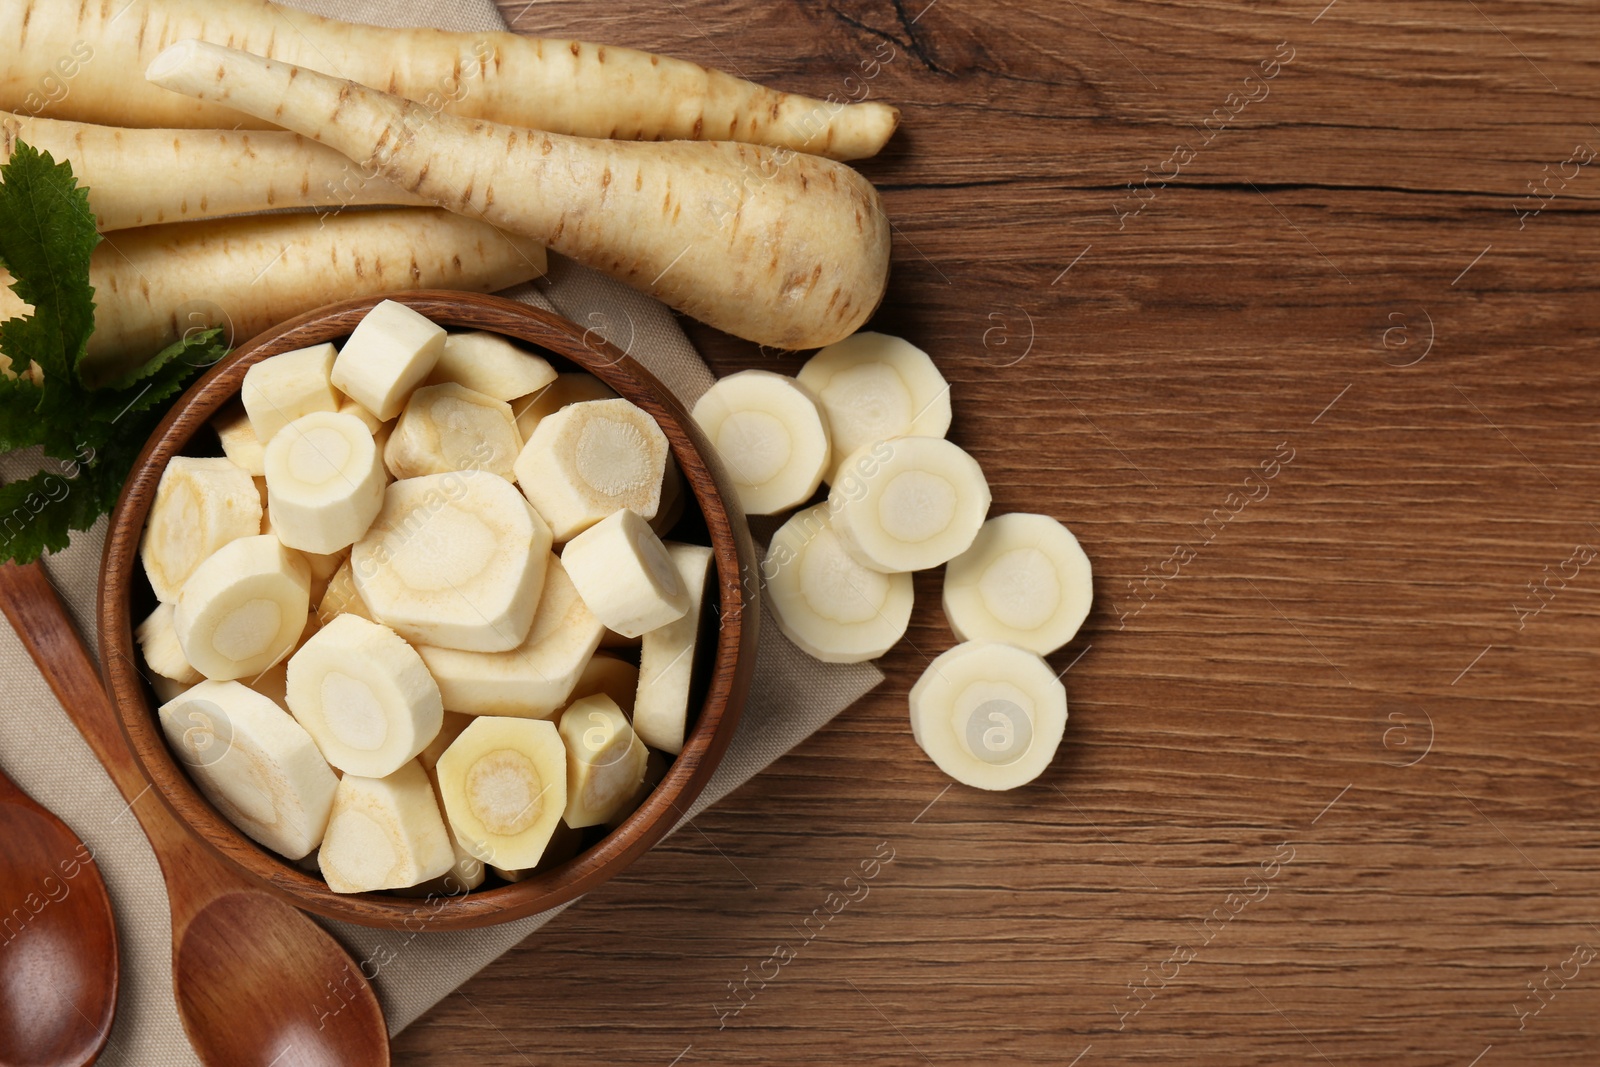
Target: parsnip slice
x,y
163,653
590,460
872,387
990,715
254,763
238,437
605,760
449,730
770,435
284,387
490,364
365,696
1024,581
449,427
273,683
341,597
384,833
325,482
666,658
908,504
243,608
624,574
573,387
534,679
504,783
610,675
454,560
824,601
390,352
200,505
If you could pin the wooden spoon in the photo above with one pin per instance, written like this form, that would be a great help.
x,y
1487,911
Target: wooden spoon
x,y
58,941
257,982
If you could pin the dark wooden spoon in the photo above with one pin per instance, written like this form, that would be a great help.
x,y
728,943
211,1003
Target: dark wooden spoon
x,y
256,981
58,941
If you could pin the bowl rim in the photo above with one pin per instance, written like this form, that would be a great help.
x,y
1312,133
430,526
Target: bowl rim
x,y
731,667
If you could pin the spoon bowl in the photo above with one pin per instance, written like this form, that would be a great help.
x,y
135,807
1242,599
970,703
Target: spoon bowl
x,y
58,940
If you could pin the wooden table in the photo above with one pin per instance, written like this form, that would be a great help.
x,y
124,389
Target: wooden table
x,y
1317,394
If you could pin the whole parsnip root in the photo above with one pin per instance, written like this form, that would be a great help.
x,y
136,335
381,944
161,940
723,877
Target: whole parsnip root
x,y
777,247
155,284
145,177
72,60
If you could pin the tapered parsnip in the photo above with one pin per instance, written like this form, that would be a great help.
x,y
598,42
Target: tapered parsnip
x,y
153,285
144,177
776,247
72,60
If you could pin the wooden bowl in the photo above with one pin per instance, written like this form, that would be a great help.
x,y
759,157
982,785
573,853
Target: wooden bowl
x,y
723,674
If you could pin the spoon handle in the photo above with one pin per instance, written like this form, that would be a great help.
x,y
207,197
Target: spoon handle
x,y
36,613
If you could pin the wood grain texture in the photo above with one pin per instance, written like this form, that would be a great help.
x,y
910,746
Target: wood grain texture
x,y
1325,239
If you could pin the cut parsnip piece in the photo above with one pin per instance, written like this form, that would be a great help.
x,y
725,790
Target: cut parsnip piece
x,y
200,505
624,574
365,696
389,353
666,658
908,504
990,715
674,499
341,597
285,387
655,769
574,387
504,783
254,763
449,730
534,679
368,419
238,437
452,428
465,874
824,601
273,683
385,833
454,560
590,460
605,760
1024,581
770,435
158,642
873,387
324,482
610,675
490,364
243,608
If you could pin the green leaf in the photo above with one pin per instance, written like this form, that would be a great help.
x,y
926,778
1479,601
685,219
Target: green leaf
x,y
20,425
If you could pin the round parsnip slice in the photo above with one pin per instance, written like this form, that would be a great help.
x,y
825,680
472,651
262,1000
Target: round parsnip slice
x,y
341,597
534,679
238,437
365,696
243,608
449,730
666,658
452,428
624,574
368,419
389,353
771,437
829,605
200,505
605,760
454,560
873,387
990,715
610,675
284,387
908,504
1024,581
504,783
324,482
163,653
254,762
574,387
590,460
385,833
490,364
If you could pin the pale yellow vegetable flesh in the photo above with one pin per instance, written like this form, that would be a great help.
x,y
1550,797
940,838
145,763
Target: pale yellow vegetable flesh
x,y
146,177
72,61
154,285
782,249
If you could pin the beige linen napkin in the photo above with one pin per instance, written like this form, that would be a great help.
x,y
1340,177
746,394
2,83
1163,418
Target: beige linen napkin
x,y
792,695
